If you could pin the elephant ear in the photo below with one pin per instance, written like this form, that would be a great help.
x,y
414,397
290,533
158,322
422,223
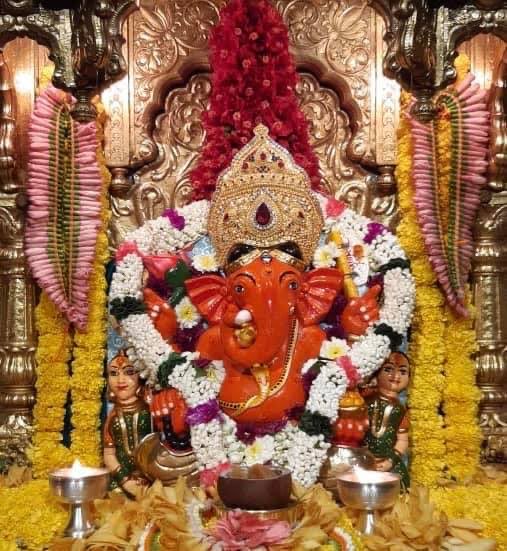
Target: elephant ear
x,y
207,294
318,291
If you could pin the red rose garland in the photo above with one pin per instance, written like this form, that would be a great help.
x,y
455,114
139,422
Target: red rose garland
x,y
254,80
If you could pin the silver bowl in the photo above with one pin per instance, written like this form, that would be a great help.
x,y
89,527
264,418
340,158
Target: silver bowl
x,y
368,491
341,459
79,492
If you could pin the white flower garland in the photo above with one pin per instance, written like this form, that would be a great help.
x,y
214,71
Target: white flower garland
x,y
215,442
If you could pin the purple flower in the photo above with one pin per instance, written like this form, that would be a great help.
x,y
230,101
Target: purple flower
x,y
186,339
377,279
308,379
248,432
202,363
159,286
177,221
374,230
336,331
203,413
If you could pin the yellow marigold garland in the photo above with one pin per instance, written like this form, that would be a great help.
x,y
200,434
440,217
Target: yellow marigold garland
x,y
30,517
55,348
52,385
461,398
486,503
461,395
427,345
89,347
441,349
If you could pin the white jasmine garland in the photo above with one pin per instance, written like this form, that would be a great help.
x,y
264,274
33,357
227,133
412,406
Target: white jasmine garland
x,y
127,278
159,236
306,456
326,390
207,444
149,345
216,441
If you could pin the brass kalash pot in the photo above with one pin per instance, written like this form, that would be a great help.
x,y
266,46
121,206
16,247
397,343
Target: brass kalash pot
x,y
346,451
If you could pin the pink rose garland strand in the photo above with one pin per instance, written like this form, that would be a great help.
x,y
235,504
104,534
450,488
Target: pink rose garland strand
x,y
450,248
64,184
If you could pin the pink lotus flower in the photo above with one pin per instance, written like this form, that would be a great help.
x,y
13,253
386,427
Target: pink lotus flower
x,y
240,531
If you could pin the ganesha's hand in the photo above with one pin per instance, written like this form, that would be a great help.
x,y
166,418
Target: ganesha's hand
x,y
162,315
169,402
361,312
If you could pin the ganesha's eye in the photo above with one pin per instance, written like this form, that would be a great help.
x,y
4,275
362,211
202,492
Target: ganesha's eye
x,y
239,288
293,285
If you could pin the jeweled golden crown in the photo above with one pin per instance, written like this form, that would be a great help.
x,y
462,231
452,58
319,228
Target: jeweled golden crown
x,y
264,199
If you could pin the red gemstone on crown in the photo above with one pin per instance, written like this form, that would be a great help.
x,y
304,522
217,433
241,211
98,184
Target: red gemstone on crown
x,y
263,215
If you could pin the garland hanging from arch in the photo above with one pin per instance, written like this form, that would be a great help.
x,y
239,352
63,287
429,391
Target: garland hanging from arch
x,y
443,395
448,236
63,216
60,342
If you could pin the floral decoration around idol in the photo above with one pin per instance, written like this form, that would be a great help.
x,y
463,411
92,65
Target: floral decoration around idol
x,y
300,447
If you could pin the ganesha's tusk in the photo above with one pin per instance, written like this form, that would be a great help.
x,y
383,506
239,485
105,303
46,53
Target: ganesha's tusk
x,y
242,317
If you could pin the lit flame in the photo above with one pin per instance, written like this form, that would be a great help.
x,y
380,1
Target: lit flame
x,y
363,476
77,469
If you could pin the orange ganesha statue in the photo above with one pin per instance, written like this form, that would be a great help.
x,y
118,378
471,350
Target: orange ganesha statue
x,y
231,309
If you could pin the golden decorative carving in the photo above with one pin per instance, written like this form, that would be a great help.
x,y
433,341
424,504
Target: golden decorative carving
x,y
338,36
115,100
335,41
17,293
490,282
170,38
178,136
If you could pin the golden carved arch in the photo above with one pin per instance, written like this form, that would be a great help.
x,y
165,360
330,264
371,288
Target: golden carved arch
x,y
334,48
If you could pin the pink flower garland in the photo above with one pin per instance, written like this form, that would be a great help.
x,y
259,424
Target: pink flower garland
x,y
64,184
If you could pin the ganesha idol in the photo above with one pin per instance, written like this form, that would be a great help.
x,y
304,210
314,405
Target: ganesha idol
x,y
232,310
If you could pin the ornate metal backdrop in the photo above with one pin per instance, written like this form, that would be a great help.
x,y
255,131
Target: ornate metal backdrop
x,y
154,134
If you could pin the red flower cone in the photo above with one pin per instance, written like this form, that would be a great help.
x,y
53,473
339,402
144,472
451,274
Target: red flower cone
x,y
254,79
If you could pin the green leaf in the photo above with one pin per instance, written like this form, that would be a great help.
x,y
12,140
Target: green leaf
x,y
166,368
200,372
178,294
177,275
